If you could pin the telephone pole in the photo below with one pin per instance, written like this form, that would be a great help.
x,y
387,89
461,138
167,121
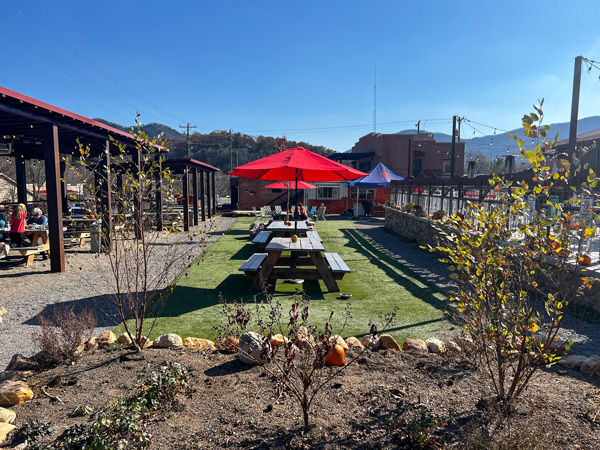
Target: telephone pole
x,y
575,105
230,152
453,146
188,126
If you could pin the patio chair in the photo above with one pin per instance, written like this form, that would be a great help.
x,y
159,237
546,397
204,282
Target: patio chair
x,y
257,214
321,213
278,211
312,213
266,212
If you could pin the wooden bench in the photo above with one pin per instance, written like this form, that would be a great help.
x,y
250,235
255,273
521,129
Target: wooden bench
x,y
77,237
262,238
311,234
253,264
337,264
29,252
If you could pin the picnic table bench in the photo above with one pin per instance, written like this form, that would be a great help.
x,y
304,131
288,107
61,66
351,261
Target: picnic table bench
x,y
337,264
312,234
29,252
253,264
262,239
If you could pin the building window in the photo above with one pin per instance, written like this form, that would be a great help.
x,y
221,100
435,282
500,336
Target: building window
x,y
364,193
447,165
328,192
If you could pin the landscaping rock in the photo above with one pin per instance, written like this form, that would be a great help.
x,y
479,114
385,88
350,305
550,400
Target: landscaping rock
x,y
229,344
7,416
389,342
20,362
278,340
415,345
107,339
591,366
353,342
90,344
338,340
304,339
200,345
2,312
252,349
372,342
124,339
5,428
14,393
15,375
573,361
435,345
170,340
255,228
145,342
453,346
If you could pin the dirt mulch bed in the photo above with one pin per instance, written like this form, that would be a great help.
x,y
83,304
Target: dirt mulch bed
x,y
383,400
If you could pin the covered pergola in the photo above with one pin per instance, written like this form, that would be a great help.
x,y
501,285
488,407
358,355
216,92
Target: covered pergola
x,y
185,168
32,129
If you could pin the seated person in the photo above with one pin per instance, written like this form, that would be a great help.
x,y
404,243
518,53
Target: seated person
x,y
302,212
37,218
17,225
3,224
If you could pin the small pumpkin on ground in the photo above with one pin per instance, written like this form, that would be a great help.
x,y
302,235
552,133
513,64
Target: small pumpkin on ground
x,y
584,260
336,356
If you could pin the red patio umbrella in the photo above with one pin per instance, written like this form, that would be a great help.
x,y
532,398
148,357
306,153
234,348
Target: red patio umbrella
x,y
296,164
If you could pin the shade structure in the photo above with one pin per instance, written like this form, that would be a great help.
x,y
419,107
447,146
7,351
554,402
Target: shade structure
x,y
291,185
378,177
299,164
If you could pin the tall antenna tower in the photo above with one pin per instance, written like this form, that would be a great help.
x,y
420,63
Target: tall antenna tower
x,y
375,102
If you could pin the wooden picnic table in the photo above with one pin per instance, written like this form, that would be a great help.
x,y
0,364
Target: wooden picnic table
x,y
279,228
313,267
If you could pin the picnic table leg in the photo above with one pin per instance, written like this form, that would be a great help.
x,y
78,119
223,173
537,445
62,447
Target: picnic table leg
x,y
267,269
29,259
324,271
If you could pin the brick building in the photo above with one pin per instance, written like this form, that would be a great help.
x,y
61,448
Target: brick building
x,y
410,155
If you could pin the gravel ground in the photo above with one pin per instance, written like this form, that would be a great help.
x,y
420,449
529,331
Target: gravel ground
x,y
29,291
586,336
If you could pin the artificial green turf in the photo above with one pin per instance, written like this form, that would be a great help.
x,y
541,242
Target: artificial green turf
x,y
377,284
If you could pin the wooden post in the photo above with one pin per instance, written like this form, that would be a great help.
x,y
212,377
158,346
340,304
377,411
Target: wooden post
x,y
53,184
64,188
138,213
208,195
21,180
195,194
214,194
202,199
186,199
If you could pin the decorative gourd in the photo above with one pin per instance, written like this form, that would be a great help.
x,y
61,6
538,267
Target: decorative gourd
x,y
336,356
92,216
585,260
294,238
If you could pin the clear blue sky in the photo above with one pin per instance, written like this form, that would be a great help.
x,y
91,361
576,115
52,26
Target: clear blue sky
x,y
302,69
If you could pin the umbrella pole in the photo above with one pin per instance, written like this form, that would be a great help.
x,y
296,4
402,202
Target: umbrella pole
x,y
294,254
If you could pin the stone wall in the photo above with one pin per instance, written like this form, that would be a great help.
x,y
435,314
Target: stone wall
x,y
410,227
420,231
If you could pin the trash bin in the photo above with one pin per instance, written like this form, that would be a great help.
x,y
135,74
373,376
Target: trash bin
x,y
95,239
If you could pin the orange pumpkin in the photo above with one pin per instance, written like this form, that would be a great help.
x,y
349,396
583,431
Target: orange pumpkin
x,y
336,356
584,260
92,216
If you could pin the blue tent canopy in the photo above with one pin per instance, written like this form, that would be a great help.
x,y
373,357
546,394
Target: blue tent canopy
x,y
379,177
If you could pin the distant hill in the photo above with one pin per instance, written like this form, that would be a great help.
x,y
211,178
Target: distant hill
x,y
498,144
151,129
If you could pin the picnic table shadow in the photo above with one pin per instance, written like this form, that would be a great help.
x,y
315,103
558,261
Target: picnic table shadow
x,y
104,311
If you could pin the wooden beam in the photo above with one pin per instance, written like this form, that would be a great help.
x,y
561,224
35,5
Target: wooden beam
x,y
186,200
104,196
195,194
158,195
202,199
21,179
53,193
208,196
214,194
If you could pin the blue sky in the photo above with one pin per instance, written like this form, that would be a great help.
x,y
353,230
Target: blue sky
x,y
302,69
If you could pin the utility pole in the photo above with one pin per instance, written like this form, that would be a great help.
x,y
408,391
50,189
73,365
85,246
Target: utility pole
x,y
418,127
188,126
575,105
230,153
453,147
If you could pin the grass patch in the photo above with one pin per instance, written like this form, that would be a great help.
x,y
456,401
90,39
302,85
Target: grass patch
x,y
377,283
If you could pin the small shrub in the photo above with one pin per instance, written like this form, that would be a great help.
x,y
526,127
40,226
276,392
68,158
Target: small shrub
x,y
416,427
164,384
33,432
408,207
63,333
439,214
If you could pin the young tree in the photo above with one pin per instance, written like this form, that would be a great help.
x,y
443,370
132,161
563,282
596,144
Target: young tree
x,y
144,264
510,264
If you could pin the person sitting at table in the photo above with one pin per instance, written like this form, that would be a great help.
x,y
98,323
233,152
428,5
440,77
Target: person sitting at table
x,y
2,225
302,212
17,225
37,218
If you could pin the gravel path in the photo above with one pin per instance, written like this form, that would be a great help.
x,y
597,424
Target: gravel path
x,y
29,291
586,336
